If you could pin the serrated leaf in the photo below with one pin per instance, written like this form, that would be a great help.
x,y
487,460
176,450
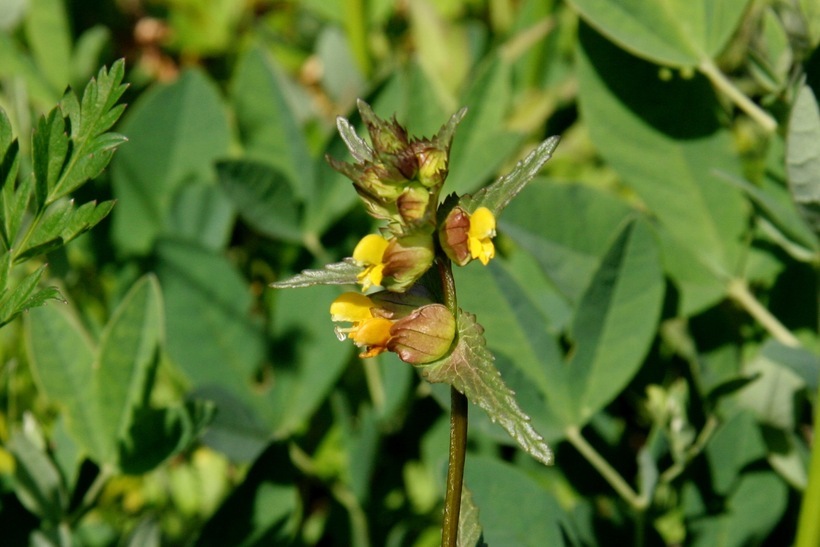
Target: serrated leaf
x,y
49,149
338,273
19,205
23,297
469,528
8,174
500,193
55,219
470,369
5,268
803,157
86,217
93,148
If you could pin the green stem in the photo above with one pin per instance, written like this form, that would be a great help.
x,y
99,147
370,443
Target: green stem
x,y
808,525
455,468
673,471
638,503
739,292
458,425
720,81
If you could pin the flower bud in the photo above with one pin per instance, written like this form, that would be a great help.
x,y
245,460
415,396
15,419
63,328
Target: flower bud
x,y
387,135
423,336
414,205
432,163
405,261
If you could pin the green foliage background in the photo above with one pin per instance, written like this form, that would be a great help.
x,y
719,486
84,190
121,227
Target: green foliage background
x,y
654,303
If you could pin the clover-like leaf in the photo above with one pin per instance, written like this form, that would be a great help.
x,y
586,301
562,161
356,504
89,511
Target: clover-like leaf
x,y
338,273
471,370
500,193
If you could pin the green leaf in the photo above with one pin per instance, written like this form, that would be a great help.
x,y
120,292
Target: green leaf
x,y
499,194
225,346
469,368
86,217
469,528
183,128
734,446
499,490
100,388
158,434
802,243
568,246
483,143
302,377
782,374
127,352
23,297
263,510
678,33
762,494
267,126
49,149
338,273
615,322
626,122
202,214
9,164
803,157
62,354
49,37
48,230
37,481
18,205
263,198
237,430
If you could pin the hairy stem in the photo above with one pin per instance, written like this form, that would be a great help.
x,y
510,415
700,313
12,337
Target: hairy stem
x,y
639,503
458,425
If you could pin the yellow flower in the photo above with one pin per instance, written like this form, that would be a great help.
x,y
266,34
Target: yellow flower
x,y
367,331
370,253
480,234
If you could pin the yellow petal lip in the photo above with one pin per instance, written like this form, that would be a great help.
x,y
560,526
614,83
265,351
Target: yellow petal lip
x,y
375,332
370,253
482,223
370,250
351,307
480,234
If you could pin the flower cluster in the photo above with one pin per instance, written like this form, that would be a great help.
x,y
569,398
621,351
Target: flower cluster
x,y
399,179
